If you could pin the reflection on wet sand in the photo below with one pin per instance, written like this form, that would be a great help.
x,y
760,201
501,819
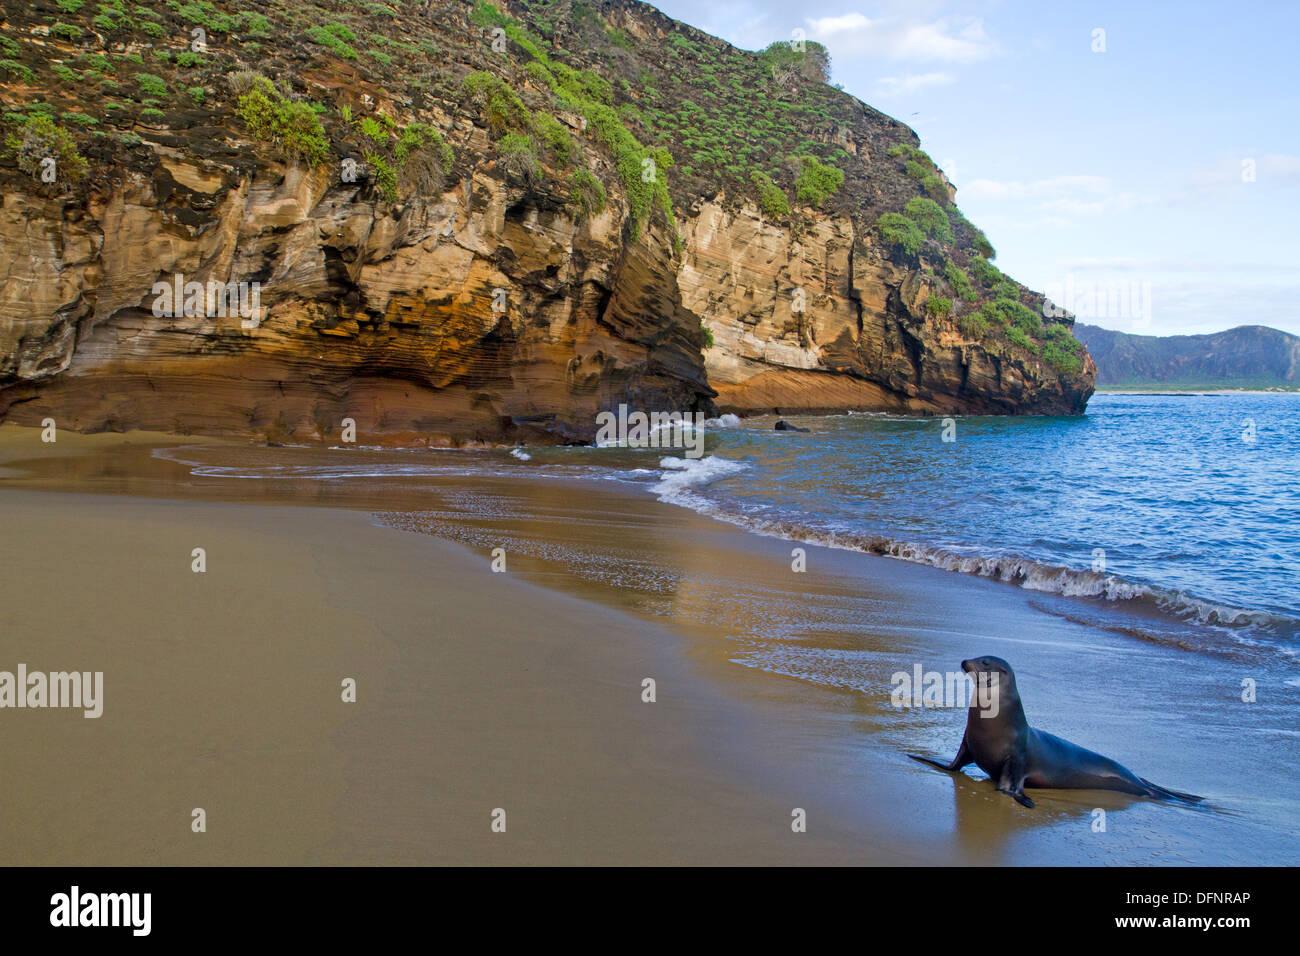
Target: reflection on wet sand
x,y
804,658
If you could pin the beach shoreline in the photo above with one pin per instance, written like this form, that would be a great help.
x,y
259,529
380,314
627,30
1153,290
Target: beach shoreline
x,y
480,690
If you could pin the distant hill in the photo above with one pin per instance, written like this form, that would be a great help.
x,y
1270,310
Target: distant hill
x,y
1249,356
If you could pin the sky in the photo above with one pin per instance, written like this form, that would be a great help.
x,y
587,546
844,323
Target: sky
x,y
1137,161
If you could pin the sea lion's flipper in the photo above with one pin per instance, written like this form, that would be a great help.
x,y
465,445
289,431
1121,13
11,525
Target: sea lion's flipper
x,y
1012,782
962,759
932,763
1164,793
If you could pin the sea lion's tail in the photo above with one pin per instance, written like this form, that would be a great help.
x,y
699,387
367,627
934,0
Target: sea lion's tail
x,y
1164,793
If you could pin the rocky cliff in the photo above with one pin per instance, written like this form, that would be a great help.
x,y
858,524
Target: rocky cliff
x,y
451,222
1249,356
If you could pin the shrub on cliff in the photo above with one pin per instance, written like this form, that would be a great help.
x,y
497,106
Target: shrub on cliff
x,y
556,137
1062,359
973,325
37,137
501,106
641,169
540,74
1016,336
917,165
293,127
15,69
817,181
424,158
961,224
938,306
385,175
935,187
335,37
978,240
203,14
993,315
929,215
1020,315
1007,289
771,197
897,230
985,272
519,156
241,81
587,192
372,129
151,85
784,61
486,15
1063,351
1064,338
959,281
912,154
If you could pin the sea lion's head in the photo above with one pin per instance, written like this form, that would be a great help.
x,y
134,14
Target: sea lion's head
x,y
995,683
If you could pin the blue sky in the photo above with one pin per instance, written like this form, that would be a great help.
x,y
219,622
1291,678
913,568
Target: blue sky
x,y
1124,172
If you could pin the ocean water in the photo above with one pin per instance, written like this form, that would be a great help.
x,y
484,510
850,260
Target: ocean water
x,y
1147,551
1177,509
1174,518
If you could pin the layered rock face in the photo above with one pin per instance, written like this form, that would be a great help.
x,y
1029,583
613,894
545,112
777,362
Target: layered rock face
x,y
825,321
492,310
482,315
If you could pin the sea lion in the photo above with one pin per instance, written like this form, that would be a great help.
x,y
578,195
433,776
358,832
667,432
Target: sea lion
x,y
784,426
999,739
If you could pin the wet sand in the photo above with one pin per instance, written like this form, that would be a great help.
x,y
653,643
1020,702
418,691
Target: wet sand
x,y
522,690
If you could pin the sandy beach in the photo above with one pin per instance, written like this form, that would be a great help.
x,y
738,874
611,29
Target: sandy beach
x,y
522,690
475,691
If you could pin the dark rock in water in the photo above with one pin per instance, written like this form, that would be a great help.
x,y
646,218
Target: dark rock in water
x,y
784,426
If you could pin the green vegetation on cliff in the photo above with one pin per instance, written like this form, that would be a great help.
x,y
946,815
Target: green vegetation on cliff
x,y
292,126
584,105
35,139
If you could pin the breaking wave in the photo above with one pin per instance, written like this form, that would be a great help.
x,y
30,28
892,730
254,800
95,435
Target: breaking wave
x,y
682,480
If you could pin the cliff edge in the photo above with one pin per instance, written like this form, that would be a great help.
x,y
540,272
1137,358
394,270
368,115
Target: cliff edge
x,y
455,221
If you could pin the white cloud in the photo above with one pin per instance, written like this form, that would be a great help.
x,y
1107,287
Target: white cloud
x,y
1174,264
1052,201
949,39
829,26
995,224
1273,169
1120,202
889,86
1054,186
